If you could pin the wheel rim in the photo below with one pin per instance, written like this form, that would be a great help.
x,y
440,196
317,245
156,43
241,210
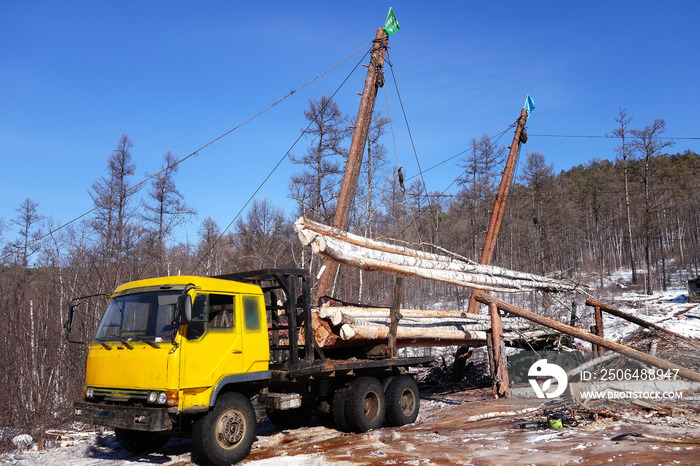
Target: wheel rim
x,y
230,429
408,402
371,405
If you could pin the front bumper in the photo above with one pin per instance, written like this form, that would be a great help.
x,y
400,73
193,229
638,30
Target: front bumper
x,y
123,417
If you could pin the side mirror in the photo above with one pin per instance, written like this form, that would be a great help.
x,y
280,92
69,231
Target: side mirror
x,y
68,324
184,309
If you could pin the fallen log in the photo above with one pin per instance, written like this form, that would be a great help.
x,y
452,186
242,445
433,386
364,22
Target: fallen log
x,y
622,349
637,320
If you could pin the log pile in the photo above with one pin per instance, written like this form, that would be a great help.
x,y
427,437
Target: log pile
x,y
346,326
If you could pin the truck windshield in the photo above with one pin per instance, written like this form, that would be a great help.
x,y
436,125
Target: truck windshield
x,y
141,316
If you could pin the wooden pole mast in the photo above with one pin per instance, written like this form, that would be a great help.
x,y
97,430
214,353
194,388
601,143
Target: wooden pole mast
x,y
374,80
499,205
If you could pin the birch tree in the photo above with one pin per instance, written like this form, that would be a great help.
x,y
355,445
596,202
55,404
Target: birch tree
x,y
625,153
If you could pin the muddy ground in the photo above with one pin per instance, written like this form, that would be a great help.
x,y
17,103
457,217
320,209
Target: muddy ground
x,y
453,428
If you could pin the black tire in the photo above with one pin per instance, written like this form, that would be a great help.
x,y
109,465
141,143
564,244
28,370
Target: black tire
x,y
387,381
290,418
365,405
225,434
140,442
341,420
402,401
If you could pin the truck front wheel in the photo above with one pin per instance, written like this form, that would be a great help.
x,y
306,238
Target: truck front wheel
x,y
224,435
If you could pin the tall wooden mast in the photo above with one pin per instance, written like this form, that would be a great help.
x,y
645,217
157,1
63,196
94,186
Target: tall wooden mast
x,y
374,80
499,205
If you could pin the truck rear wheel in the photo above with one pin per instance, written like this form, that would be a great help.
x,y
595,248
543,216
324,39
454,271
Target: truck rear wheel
x,y
341,420
140,442
402,401
365,405
224,435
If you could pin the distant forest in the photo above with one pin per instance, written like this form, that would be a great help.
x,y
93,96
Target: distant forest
x,y
640,211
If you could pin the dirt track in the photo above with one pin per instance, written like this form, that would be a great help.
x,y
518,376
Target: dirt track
x,y
450,430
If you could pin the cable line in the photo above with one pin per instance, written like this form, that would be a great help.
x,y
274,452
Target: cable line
x,y
498,137
606,136
303,133
138,185
413,145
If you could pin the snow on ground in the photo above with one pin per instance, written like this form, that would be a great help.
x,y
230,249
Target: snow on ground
x,y
669,309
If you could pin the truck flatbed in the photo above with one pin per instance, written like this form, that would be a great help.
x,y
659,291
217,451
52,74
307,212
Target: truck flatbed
x,y
327,367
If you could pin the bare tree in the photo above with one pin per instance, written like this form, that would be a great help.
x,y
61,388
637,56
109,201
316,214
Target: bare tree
x,y
165,211
373,164
538,175
210,250
315,186
649,144
262,238
479,186
26,245
625,153
114,199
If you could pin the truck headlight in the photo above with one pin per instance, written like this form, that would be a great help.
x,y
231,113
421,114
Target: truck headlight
x,y
89,392
152,397
162,398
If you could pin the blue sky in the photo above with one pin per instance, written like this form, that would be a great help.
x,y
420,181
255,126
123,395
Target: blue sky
x,y
175,75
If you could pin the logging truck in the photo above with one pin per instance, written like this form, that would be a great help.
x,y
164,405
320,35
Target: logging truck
x,y
210,357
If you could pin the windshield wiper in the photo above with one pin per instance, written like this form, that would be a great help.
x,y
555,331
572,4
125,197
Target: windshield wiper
x,y
124,341
150,343
102,342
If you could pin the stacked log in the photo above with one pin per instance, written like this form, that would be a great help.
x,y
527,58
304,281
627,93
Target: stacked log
x,y
344,326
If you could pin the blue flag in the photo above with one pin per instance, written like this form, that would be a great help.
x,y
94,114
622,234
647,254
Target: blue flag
x,y
529,105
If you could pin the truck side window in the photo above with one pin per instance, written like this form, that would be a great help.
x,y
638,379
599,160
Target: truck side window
x,y
210,312
197,326
221,312
251,312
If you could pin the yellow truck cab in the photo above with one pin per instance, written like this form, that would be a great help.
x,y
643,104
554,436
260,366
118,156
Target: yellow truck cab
x,y
207,357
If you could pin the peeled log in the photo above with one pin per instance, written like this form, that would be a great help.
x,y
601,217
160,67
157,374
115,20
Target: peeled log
x,y
327,312
376,332
439,336
339,315
368,254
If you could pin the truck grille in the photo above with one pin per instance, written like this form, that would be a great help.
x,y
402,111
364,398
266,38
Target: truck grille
x,y
115,395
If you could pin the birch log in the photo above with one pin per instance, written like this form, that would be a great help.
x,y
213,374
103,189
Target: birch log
x,y
412,317
407,336
375,255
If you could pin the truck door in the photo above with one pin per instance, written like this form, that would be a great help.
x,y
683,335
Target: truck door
x,y
256,356
213,345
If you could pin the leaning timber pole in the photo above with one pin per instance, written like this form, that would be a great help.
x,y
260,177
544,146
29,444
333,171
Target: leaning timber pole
x,y
374,80
585,336
499,205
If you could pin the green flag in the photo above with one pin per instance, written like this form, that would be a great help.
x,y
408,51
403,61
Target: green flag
x,y
391,25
